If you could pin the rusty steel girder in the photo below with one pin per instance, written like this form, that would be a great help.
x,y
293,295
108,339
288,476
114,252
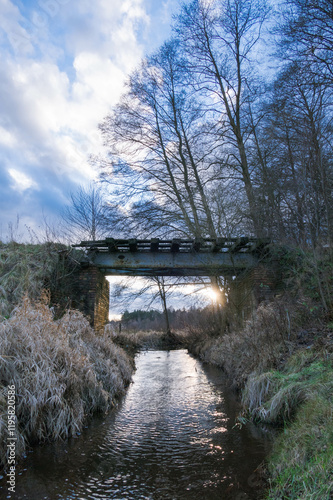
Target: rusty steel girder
x,y
176,257
171,264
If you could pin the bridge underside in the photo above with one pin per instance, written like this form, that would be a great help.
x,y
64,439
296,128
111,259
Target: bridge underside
x,y
178,264
154,257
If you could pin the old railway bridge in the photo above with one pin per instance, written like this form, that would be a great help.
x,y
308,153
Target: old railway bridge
x,y
243,258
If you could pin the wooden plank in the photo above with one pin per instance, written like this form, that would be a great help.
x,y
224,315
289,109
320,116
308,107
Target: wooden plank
x,y
112,244
197,243
206,245
218,244
239,244
259,245
91,243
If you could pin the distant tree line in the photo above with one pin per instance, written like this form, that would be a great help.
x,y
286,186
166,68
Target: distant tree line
x,y
180,319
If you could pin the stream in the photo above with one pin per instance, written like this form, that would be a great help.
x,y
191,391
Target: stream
x,y
172,436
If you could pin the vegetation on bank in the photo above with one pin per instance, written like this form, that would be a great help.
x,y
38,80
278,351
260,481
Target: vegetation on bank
x,y
299,397
62,373
134,341
24,268
286,379
28,269
139,340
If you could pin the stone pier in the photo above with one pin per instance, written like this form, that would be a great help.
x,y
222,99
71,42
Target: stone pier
x,y
91,296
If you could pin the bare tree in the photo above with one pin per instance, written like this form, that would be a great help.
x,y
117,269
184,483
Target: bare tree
x,y
298,129
219,38
162,151
163,295
306,36
85,217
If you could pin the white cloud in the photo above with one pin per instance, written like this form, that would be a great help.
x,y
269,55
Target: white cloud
x,y
134,9
11,25
97,79
7,139
22,182
64,64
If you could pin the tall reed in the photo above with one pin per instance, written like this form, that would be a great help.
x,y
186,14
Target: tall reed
x,y
61,370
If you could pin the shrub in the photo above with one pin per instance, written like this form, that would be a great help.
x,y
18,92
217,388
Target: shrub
x,y
258,346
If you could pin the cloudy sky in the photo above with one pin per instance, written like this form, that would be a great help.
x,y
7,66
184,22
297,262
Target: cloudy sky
x,y
63,66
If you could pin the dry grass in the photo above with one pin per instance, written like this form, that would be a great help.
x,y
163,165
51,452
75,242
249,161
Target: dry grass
x,y
138,340
30,268
24,269
259,346
61,370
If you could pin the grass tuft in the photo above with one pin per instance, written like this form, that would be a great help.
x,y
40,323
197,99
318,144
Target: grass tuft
x,y
301,465
62,372
299,397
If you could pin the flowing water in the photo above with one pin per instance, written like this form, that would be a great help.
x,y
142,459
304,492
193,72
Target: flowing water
x,y
173,436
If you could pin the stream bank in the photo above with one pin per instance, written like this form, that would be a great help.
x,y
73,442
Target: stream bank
x,y
285,377
281,363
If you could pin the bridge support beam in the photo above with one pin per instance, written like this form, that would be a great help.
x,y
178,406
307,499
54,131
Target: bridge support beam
x,y
172,263
91,296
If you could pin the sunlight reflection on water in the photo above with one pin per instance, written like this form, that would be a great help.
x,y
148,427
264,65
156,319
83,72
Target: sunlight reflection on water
x,y
172,437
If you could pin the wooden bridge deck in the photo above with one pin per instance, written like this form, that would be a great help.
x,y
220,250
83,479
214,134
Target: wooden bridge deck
x,y
232,245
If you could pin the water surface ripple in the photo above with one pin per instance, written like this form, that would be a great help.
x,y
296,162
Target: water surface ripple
x,y
172,437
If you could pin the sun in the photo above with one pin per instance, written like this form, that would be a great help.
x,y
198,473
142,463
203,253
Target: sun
x,y
211,294
216,296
